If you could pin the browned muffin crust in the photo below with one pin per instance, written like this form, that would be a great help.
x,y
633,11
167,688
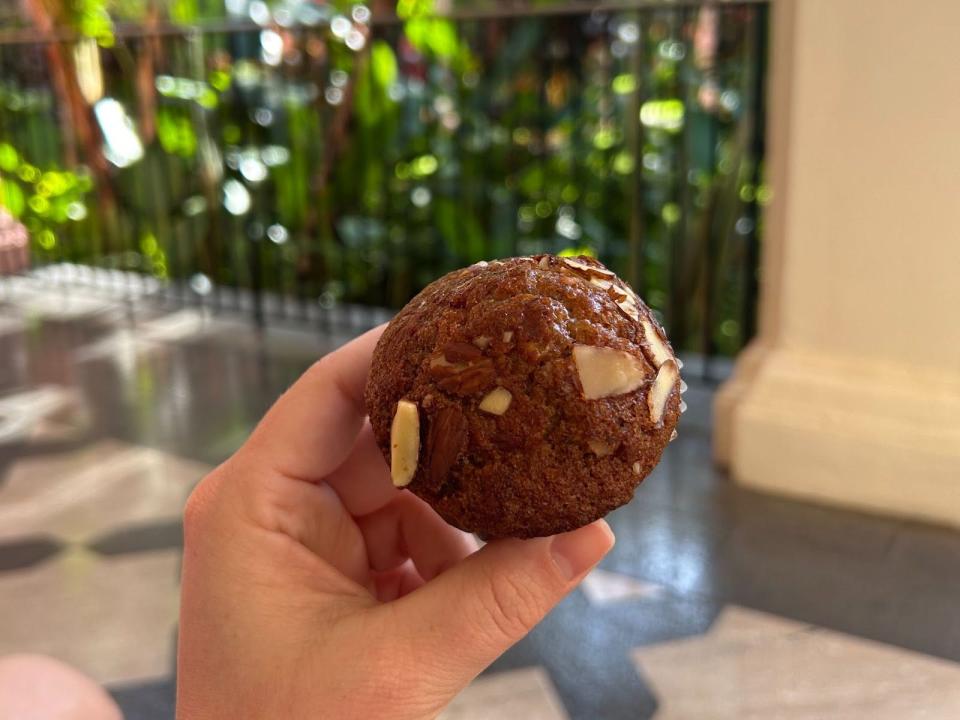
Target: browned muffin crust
x,y
515,432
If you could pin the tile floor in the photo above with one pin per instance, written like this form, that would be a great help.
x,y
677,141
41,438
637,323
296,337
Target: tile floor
x,y
717,603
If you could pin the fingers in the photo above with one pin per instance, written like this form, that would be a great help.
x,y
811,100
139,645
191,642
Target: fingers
x,y
397,582
363,480
312,427
313,515
468,616
409,528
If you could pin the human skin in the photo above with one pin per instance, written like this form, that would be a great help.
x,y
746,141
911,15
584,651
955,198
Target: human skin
x,y
314,588
36,687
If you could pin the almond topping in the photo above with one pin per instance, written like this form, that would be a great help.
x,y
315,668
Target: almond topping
x,y
587,267
600,449
624,298
636,468
673,436
469,379
496,401
658,347
605,372
630,306
660,390
461,352
481,342
404,443
446,440
508,336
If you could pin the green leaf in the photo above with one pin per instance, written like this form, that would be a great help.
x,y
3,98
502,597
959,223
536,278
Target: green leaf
x,y
183,11
384,64
11,197
9,160
175,131
372,101
443,39
433,36
414,8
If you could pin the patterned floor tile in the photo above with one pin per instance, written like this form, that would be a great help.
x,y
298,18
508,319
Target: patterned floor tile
x,y
526,693
753,665
111,618
145,537
24,552
84,494
20,412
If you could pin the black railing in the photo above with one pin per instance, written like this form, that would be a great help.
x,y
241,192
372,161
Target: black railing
x,y
303,164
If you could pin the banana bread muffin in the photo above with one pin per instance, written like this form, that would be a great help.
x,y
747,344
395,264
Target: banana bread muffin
x,y
524,397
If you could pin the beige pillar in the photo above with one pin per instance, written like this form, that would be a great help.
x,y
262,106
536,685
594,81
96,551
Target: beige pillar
x,y
851,393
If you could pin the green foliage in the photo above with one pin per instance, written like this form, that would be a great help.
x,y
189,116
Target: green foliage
x,y
372,101
414,8
44,201
92,19
370,172
11,197
432,36
175,132
183,11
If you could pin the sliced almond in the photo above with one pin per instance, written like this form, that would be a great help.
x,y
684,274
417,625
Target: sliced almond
x,y
629,306
544,262
508,336
624,298
658,347
496,401
683,406
456,352
605,372
636,468
683,385
404,443
587,267
445,441
660,390
600,448
469,379
673,436
440,366
481,341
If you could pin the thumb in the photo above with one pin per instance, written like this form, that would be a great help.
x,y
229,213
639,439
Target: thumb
x,y
468,616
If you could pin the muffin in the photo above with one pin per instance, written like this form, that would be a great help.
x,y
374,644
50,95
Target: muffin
x,y
524,397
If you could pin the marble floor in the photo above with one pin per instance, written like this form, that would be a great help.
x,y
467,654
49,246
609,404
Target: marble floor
x,y
717,603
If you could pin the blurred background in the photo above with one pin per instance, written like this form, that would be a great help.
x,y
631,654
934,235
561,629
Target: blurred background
x,y
200,197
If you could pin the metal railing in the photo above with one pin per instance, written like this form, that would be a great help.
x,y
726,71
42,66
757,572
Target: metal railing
x,y
295,165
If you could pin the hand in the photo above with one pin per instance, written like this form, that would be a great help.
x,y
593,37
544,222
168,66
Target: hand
x,y
312,588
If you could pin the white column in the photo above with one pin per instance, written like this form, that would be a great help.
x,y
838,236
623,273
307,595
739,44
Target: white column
x,y
851,392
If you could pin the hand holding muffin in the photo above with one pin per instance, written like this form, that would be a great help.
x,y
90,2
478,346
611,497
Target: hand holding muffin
x,y
314,587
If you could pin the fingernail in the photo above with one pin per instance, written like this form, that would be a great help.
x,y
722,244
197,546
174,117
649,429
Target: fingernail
x,y
578,551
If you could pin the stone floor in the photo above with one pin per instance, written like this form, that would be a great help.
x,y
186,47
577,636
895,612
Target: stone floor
x,y
716,603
